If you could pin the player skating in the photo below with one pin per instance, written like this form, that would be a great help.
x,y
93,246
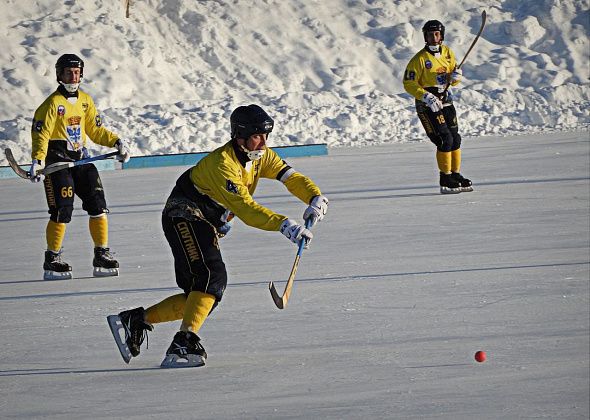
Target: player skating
x,y
197,213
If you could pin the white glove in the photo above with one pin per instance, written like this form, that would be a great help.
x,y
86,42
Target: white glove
x,y
295,232
224,229
456,75
432,101
318,207
36,165
123,149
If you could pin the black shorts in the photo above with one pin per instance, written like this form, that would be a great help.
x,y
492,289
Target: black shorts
x,y
441,127
198,264
83,181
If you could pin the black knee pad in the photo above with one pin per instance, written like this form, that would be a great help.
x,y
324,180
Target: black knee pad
x,y
446,143
97,212
91,191
218,279
95,206
210,278
61,214
435,139
456,142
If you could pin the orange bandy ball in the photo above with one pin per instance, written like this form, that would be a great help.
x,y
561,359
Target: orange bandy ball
x,y
480,356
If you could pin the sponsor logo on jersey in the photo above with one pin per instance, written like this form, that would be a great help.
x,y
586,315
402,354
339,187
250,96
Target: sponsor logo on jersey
x,y
74,136
84,106
74,120
98,121
410,75
61,110
37,125
231,187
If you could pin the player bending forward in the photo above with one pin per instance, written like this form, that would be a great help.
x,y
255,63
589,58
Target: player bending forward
x,y
197,213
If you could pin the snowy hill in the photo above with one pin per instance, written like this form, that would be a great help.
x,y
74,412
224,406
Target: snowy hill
x,y
329,71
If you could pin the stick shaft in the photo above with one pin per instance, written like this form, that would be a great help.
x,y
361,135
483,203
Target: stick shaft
x,y
281,301
54,167
58,166
483,23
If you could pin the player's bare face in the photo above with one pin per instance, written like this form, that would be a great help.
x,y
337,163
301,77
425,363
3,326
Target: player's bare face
x,y
70,75
256,142
433,38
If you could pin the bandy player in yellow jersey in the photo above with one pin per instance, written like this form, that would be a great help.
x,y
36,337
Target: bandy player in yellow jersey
x,y
60,127
427,78
197,213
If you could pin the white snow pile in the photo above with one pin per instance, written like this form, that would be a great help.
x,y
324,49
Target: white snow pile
x,y
329,71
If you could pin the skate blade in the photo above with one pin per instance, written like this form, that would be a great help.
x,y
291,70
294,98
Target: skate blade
x,y
116,327
57,275
105,272
466,189
447,190
176,361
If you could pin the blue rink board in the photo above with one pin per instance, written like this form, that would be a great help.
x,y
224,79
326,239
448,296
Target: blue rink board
x,y
188,159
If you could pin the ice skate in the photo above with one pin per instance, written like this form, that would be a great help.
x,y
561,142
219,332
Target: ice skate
x,y
55,268
129,331
185,351
463,182
448,185
105,265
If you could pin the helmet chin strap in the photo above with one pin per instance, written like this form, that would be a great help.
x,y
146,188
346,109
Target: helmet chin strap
x,y
253,154
70,87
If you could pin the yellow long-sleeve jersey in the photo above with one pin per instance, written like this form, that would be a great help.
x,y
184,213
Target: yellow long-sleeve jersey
x,y
230,183
60,127
427,71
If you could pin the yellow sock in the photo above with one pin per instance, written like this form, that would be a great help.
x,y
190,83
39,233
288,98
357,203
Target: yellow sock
x,y
444,161
198,306
54,233
99,230
170,309
456,160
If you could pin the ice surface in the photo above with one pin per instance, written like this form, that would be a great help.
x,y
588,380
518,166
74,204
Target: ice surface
x,y
400,288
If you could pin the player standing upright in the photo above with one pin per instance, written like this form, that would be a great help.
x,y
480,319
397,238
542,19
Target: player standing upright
x,y
198,212
60,127
427,78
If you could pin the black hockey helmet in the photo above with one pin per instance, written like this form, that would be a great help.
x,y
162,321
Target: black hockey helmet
x,y
69,60
248,120
433,25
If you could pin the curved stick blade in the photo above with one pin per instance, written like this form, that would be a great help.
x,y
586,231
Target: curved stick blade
x,y
14,165
281,301
278,300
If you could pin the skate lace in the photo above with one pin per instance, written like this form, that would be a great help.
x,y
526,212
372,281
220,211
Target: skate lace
x,y
138,335
194,343
56,257
106,254
179,349
183,345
